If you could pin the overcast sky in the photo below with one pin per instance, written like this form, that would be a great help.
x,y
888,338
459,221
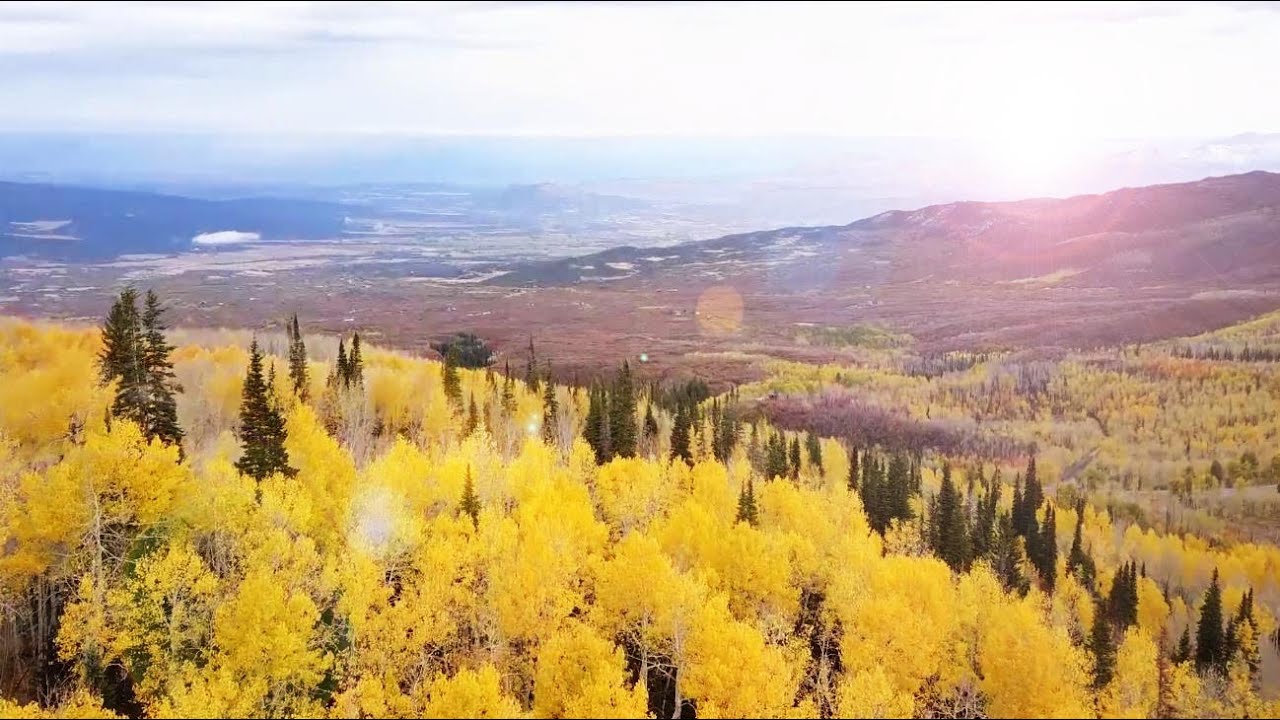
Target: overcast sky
x,y
1144,70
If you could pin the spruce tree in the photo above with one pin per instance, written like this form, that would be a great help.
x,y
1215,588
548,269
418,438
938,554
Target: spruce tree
x,y
591,427
473,417
470,504
550,411
531,369
1006,557
298,361
161,411
680,433
1183,653
1076,557
1102,647
1047,550
341,373
508,391
984,530
794,458
947,525
650,423
853,469
775,458
123,358
814,448
622,414
355,363
452,383
747,510
1210,642
262,432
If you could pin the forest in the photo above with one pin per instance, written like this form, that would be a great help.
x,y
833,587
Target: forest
x,y
201,523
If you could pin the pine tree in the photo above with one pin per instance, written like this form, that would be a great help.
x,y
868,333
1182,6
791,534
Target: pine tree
x,y
1076,557
775,458
161,412
853,469
508,391
531,369
342,372
1047,550
262,432
794,458
947,525
814,449
298,361
747,510
680,433
622,414
452,383
1102,646
473,417
470,505
1006,557
550,410
650,422
123,358
984,530
1210,643
1183,653
355,364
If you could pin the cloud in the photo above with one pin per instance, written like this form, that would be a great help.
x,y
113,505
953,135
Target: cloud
x,y
639,68
226,237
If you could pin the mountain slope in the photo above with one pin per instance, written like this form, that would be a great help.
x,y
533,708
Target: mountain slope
x,y
1222,230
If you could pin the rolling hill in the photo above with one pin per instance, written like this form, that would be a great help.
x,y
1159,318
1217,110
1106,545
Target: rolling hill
x,y
1218,232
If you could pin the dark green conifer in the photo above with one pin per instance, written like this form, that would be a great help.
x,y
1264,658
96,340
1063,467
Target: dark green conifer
x,y
1210,641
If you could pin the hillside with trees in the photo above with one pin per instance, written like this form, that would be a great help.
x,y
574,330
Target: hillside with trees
x,y
302,525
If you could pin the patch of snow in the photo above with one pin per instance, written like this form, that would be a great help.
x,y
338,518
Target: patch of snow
x,y
621,265
226,237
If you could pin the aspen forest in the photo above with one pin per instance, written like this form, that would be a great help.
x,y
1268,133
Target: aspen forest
x,y
229,523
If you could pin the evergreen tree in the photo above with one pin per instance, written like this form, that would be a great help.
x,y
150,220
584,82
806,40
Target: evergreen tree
x,y
1017,510
1006,556
1076,557
1210,642
262,432
298,361
775,458
984,530
473,417
1183,653
123,358
470,505
452,383
342,371
814,448
794,466
531,369
947,525
508,391
1047,550
622,414
1102,646
550,411
594,429
853,469
747,510
355,363
161,411
680,433
650,423
899,486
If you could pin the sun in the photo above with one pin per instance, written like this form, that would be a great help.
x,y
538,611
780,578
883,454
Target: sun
x,y
1031,158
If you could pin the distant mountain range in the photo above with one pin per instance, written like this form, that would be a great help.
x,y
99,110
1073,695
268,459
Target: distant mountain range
x,y
1217,231
74,223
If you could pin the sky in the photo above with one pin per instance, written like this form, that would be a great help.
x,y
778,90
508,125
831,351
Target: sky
x,y
1002,70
